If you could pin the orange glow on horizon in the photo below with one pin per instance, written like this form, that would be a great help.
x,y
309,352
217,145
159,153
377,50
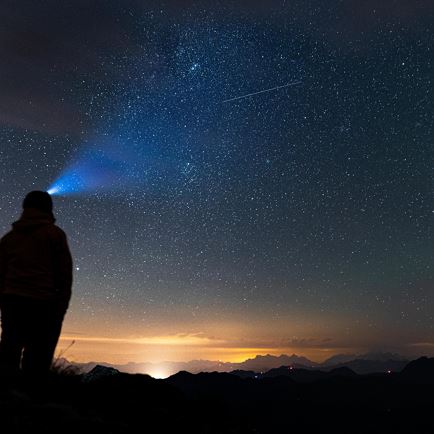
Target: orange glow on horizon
x,y
176,348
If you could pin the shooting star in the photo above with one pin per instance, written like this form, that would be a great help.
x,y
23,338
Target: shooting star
x,y
293,83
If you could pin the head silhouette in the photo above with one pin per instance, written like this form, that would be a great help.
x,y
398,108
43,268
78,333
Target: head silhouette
x,y
39,200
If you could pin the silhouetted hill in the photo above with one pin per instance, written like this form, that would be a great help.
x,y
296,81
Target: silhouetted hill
x,y
244,374
265,363
419,371
361,366
210,385
97,372
281,400
308,375
342,359
344,371
298,375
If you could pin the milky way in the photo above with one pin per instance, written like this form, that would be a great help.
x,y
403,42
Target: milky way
x,y
300,219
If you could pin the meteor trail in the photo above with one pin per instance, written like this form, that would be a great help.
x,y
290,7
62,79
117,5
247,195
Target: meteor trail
x,y
293,83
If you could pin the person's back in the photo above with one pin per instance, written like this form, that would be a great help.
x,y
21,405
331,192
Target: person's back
x,y
35,286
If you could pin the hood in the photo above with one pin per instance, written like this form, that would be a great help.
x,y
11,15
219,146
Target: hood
x,y
32,218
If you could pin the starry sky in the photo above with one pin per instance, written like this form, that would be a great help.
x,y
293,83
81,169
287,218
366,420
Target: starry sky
x,y
235,178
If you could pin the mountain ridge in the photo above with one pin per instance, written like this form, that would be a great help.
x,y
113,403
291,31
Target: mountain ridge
x,y
361,364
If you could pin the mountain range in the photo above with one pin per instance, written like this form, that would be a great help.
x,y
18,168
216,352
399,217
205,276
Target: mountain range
x,y
360,364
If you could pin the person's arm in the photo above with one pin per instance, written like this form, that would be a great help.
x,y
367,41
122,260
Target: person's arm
x,y
63,268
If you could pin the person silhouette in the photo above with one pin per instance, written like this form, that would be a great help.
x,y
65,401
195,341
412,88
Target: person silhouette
x,y
35,287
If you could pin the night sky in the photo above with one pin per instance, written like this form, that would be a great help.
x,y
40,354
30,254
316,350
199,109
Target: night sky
x,y
235,178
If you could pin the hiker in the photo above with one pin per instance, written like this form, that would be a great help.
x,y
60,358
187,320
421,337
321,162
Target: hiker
x,y
35,287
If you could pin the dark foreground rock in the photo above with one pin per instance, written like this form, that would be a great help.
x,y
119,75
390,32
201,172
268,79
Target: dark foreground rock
x,y
113,402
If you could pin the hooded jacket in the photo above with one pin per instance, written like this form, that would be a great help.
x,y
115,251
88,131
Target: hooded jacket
x,y
35,260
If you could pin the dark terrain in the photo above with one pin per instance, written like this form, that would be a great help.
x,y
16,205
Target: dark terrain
x,y
283,400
